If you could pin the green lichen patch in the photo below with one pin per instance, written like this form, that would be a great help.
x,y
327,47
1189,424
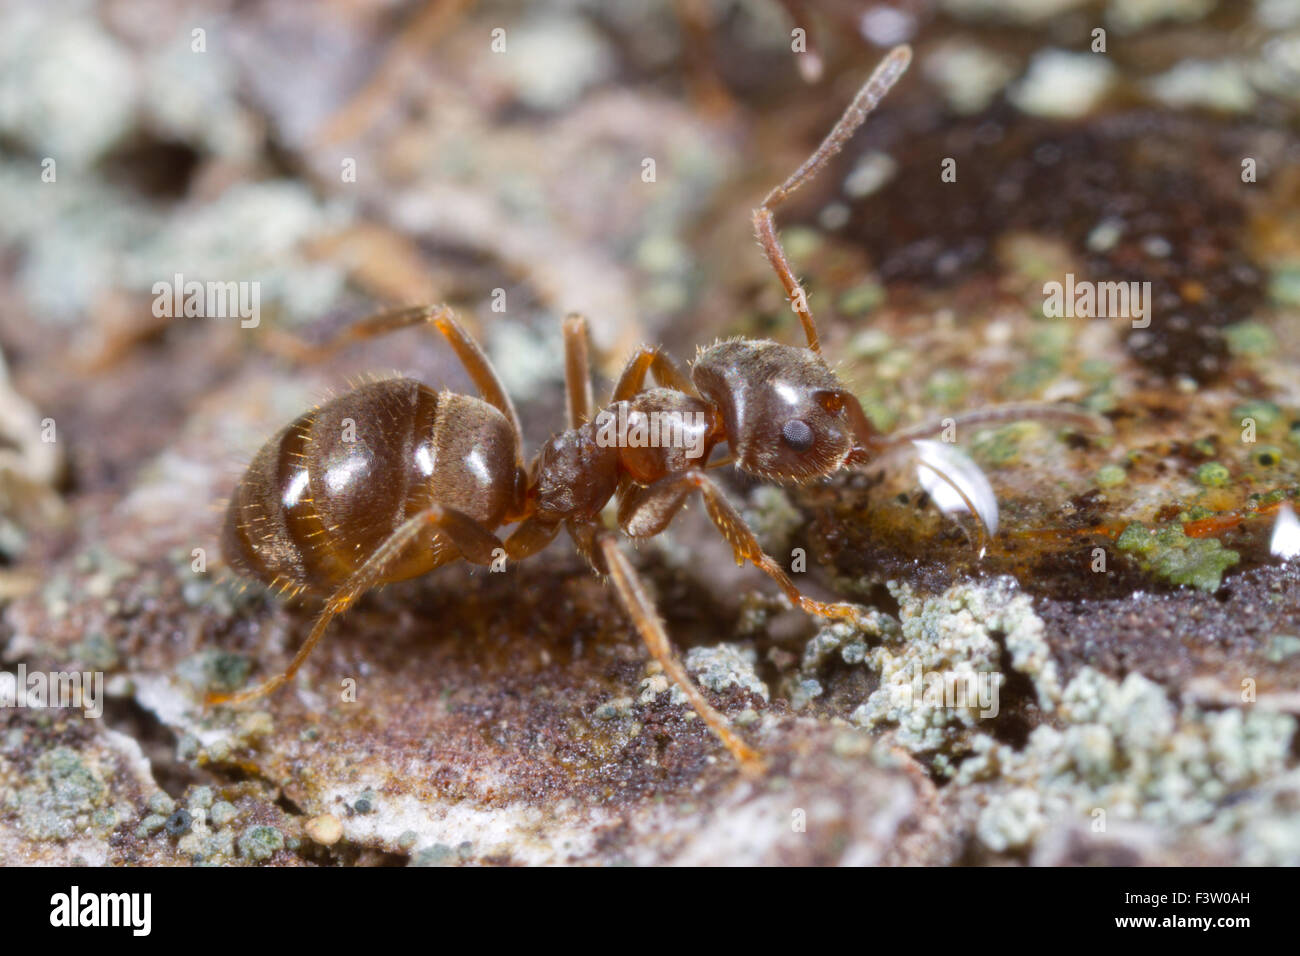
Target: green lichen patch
x,y
1213,475
1170,554
60,796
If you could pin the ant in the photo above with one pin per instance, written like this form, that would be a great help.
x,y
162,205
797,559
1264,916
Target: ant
x,y
428,477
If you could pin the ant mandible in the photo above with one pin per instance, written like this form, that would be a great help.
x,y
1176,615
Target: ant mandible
x,y
428,477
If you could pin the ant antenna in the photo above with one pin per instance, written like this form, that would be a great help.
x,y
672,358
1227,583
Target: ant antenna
x,y
886,74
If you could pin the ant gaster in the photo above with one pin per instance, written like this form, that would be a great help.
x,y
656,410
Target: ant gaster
x,y
429,477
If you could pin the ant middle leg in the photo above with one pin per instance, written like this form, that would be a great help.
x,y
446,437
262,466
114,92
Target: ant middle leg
x,y
882,79
645,511
645,618
472,541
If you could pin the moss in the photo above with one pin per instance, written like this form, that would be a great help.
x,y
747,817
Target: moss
x,y
1170,554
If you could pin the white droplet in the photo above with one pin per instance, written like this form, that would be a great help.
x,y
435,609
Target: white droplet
x,y
1285,542
952,480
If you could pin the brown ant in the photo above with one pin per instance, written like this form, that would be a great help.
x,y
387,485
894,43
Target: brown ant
x,y
428,477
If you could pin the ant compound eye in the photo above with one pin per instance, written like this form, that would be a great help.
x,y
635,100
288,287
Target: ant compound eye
x,y
797,434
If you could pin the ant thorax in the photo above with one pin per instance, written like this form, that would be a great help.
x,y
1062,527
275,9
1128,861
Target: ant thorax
x,y
656,433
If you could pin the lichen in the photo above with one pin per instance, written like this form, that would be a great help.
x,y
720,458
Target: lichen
x,y
723,666
939,672
1125,748
1170,554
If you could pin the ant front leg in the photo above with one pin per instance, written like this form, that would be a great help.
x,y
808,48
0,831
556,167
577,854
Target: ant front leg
x,y
654,361
443,319
645,511
646,619
474,543
577,370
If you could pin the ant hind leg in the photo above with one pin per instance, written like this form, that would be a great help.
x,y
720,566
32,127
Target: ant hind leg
x,y
474,542
442,318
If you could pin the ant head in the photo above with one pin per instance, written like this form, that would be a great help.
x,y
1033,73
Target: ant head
x,y
787,416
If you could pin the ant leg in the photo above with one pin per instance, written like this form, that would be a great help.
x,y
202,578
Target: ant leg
x,y
645,511
873,91
529,537
442,318
577,370
648,359
474,542
646,619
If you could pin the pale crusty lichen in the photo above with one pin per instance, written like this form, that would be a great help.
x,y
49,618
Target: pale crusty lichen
x,y
949,648
723,666
1121,747
1126,749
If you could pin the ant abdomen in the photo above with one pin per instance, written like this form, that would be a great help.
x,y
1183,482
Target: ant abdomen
x,y
325,493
